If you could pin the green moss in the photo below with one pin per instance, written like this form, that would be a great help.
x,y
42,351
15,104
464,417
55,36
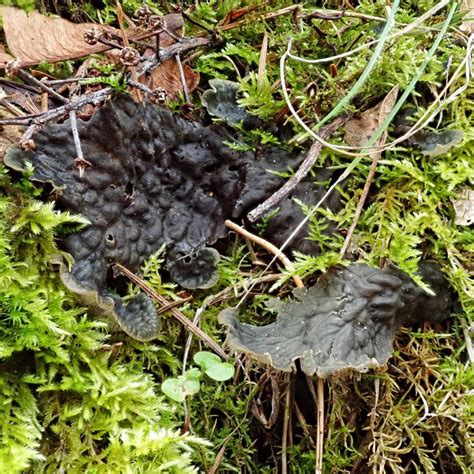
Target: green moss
x,y
68,399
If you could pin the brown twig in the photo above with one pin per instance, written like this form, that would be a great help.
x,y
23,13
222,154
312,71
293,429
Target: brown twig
x,y
171,51
318,399
80,162
320,427
41,118
183,79
268,16
303,170
32,80
362,199
286,423
175,312
268,246
174,304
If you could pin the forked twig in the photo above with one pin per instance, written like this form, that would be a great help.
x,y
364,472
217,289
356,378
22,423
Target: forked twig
x,y
268,246
303,170
175,312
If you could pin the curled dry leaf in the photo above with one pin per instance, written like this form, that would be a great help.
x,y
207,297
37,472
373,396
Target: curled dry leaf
x,y
34,38
167,76
468,10
464,207
8,136
4,56
359,131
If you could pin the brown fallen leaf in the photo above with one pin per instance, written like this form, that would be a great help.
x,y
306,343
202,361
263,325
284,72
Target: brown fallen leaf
x,y
358,131
166,76
4,56
467,9
34,38
464,207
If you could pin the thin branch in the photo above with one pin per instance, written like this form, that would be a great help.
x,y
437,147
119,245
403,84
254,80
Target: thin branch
x,y
320,427
268,16
303,170
80,162
360,204
171,51
286,421
27,77
183,79
42,118
175,312
267,246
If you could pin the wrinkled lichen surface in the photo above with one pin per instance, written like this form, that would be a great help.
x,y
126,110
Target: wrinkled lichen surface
x,y
151,178
346,321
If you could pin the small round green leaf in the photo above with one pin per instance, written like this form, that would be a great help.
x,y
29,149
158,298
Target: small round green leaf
x,y
206,359
192,374
173,389
179,388
220,372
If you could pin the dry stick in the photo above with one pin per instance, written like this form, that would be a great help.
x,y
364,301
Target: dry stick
x,y
38,123
176,313
286,423
42,118
263,61
79,161
268,246
174,304
363,197
219,457
32,80
318,399
268,16
166,53
320,428
183,79
303,170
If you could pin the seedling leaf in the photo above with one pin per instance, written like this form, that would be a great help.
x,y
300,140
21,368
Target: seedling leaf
x,y
206,360
220,372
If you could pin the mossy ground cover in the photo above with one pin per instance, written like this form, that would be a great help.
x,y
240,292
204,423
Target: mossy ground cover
x,y
76,397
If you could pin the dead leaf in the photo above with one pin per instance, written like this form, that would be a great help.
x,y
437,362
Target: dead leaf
x,y
464,207
166,76
359,131
468,10
34,38
4,56
9,136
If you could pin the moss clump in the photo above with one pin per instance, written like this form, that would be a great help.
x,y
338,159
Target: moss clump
x,y
68,400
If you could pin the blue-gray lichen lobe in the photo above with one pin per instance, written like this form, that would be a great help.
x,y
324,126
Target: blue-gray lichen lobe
x,y
151,178
348,320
